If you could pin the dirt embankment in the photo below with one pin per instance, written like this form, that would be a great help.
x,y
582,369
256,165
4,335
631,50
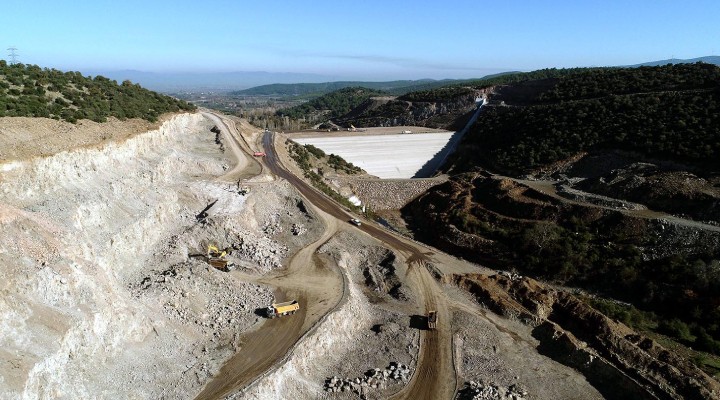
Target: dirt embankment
x,y
616,360
23,137
386,194
471,214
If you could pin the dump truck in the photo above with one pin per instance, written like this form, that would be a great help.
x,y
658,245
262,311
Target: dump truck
x,y
279,309
432,320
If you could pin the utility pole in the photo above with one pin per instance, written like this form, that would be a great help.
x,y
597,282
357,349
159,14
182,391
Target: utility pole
x,y
13,54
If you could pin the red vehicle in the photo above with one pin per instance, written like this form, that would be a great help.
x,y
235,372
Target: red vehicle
x,y
259,154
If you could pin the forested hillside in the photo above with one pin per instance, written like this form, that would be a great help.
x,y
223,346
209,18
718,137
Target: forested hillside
x,y
337,103
634,138
666,112
31,91
318,89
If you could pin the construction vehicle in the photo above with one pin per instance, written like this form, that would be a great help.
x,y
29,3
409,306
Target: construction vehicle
x,y
216,258
432,320
259,154
279,309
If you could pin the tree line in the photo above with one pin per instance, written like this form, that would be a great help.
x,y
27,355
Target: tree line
x,y
31,91
670,112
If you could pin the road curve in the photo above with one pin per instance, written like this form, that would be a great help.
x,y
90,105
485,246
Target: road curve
x,y
242,169
317,288
434,377
329,206
264,348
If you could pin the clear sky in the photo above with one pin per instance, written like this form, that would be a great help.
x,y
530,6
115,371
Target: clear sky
x,y
361,39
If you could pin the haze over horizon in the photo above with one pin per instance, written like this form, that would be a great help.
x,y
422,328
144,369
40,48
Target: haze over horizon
x,y
372,40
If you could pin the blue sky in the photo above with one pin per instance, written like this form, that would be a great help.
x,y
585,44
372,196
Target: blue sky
x,y
356,39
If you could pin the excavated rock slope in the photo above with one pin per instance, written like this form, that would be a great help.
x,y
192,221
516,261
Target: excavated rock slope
x,y
616,360
102,294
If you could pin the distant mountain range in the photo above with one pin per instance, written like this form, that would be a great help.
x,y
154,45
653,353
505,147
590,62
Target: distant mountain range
x,y
707,59
287,83
314,89
168,82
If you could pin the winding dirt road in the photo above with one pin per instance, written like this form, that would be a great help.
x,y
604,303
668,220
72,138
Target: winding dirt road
x,y
320,289
434,377
246,166
317,288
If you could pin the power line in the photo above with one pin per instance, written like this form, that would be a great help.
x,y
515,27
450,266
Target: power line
x,y
13,54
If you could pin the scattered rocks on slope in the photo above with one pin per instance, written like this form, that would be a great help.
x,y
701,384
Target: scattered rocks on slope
x,y
226,302
381,277
613,356
388,194
478,390
373,379
263,251
298,229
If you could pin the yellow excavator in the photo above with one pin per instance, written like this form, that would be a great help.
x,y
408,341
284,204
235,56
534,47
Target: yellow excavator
x,y
216,257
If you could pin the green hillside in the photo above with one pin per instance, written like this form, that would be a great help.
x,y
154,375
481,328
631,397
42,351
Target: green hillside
x,y
670,112
336,103
318,89
31,91
650,135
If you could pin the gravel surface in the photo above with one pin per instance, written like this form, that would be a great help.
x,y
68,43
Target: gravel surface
x,y
497,357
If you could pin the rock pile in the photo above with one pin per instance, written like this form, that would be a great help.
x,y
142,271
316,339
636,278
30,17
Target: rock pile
x,y
180,288
388,194
478,390
264,251
298,229
272,226
602,201
510,275
373,379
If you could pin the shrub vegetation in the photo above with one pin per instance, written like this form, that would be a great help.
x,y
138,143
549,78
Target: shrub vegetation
x,y
31,91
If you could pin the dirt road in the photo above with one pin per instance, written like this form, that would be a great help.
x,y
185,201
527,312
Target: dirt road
x,y
317,287
548,188
319,290
246,166
434,377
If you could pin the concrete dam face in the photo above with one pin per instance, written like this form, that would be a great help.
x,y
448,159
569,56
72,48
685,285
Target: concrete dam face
x,y
400,156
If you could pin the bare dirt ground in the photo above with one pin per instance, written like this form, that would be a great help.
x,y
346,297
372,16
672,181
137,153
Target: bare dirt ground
x,y
23,137
502,352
